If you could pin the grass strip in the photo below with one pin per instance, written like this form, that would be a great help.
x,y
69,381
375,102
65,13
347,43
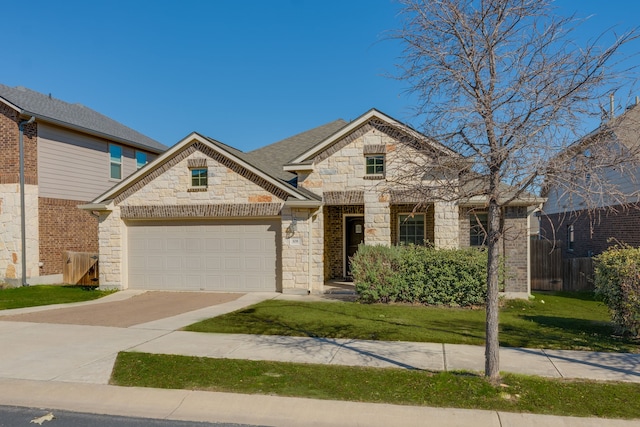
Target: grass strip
x,y
32,296
570,321
518,393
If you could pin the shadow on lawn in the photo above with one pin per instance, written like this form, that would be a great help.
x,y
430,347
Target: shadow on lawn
x,y
578,334
345,325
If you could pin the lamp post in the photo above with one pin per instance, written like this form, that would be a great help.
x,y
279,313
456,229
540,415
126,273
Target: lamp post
x,y
23,228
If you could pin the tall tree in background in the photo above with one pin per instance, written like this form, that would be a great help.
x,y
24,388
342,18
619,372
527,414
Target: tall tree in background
x,y
503,83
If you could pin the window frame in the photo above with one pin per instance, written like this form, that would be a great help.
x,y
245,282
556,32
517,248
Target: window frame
x,y
138,164
402,221
478,228
570,238
200,184
375,166
115,161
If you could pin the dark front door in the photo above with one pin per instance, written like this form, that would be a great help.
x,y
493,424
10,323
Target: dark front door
x,y
354,236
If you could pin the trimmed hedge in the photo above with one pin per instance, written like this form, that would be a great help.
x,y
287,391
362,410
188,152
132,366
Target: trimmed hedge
x,y
422,275
617,282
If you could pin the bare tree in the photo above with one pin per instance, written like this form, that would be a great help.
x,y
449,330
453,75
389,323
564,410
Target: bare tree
x,y
502,83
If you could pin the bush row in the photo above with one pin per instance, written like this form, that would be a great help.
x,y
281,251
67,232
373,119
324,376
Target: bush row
x,y
417,274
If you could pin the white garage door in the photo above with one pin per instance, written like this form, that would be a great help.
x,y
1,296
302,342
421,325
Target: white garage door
x,y
217,256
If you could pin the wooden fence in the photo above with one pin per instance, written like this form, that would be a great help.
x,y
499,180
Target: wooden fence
x,y
80,268
550,272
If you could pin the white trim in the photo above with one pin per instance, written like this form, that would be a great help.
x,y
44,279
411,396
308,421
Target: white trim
x,y
344,239
300,167
158,161
111,162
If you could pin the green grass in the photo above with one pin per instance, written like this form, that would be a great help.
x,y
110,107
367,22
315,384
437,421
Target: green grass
x,y
573,321
32,296
396,386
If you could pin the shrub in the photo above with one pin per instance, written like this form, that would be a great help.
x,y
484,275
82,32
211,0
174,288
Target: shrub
x,y
617,283
424,275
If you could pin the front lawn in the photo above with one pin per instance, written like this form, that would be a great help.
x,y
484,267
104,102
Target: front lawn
x,y
517,393
32,296
573,321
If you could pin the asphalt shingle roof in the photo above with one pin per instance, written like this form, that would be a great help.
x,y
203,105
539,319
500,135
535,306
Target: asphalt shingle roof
x,y
273,157
76,115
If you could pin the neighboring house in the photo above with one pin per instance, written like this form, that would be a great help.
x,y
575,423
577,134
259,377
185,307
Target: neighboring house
x,y
599,207
71,155
286,217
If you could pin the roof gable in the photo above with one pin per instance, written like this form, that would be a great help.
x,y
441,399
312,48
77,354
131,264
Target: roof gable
x,y
372,118
223,154
75,116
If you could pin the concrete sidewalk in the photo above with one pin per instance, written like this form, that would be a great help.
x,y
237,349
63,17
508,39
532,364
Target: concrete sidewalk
x,y
68,367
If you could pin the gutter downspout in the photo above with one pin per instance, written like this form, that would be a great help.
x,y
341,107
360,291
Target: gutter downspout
x,y
23,228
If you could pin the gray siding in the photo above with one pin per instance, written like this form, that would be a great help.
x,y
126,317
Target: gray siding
x,y
75,166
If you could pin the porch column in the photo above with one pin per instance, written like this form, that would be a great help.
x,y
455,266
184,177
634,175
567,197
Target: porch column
x,y
445,215
377,218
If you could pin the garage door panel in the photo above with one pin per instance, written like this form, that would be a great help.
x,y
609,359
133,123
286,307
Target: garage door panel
x,y
216,255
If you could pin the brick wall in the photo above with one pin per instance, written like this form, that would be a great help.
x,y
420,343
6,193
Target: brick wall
x,y
515,248
593,231
9,148
334,239
62,227
514,245
428,211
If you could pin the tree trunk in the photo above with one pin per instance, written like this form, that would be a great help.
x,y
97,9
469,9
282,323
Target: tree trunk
x,y
492,346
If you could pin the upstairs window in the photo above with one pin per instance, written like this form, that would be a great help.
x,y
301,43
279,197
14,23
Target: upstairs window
x,y
411,229
375,165
115,161
141,159
478,228
199,177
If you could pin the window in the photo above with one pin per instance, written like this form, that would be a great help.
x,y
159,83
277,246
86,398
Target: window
x,y
570,238
115,161
199,177
375,165
478,228
411,229
141,159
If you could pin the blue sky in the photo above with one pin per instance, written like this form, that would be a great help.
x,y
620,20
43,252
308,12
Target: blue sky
x,y
247,73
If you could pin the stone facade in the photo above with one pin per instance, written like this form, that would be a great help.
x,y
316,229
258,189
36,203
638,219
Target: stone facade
x,y
10,232
166,192
313,242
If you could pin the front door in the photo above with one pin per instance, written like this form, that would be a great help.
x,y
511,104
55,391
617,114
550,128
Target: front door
x,y
354,236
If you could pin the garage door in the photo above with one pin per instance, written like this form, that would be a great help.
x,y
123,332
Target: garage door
x,y
217,256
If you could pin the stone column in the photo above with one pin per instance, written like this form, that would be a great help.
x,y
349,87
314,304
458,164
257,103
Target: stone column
x,y
446,225
377,217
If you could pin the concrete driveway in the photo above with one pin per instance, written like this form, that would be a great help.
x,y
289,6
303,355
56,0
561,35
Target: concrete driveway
x,y
79,342
124,309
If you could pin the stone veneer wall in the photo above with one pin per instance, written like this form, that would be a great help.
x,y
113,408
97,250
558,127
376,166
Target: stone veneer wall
x,y
515,246
10,231
302,265
446,223
169,187
64,227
